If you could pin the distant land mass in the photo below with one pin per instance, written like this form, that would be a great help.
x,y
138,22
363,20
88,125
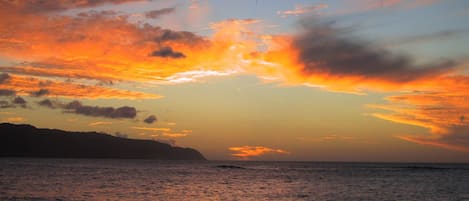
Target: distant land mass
x,y
29,141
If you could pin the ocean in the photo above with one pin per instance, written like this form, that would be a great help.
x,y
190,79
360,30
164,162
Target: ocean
x,y
110,179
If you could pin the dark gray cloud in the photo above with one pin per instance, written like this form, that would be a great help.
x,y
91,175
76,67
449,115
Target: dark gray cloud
x,y
157,13
7,92
150,119
77,107
108,112
167,52
165,35
20,101
48,103
326,49
40,92
4,77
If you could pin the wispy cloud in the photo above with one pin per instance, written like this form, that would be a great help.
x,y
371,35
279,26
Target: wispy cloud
x,y
98,123
55,5
164,132
302,9
424,38
327,138
14,119
152,129
175,135
154,14
246,152
25,85
361,6
442,110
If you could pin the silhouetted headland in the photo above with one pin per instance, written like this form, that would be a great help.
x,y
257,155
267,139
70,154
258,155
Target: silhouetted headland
x,y
29,141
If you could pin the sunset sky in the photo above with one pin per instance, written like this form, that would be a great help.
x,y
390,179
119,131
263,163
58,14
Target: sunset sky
x,y
330,80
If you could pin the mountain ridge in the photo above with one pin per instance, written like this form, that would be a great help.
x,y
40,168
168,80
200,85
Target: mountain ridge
x,y
23,140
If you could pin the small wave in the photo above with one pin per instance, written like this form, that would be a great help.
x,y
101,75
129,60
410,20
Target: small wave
x,y
433,168
230,167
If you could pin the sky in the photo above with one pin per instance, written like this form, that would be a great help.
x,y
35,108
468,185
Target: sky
x,y
330,80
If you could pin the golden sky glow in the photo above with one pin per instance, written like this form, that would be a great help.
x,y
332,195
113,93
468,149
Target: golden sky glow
x,y
296,75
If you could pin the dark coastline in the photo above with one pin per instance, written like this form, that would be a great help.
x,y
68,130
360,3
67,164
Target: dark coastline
x,y
29,141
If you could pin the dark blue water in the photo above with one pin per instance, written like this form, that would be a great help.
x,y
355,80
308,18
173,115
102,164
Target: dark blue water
x,y
96,179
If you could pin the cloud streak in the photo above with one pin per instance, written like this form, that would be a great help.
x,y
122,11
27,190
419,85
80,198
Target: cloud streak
x,y
441,35
302,9
14,119
154,14
246,152
441,110
24,85
55,5
362,6
98,123
165,132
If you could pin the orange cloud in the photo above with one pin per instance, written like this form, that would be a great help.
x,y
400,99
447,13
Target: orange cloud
x,y
175,135
442,109
26,85
55,5
14,119
245,152
152,129
327,138
97,123
106,46
166,132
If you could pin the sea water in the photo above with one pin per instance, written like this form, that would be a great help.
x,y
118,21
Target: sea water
x,y
109,179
